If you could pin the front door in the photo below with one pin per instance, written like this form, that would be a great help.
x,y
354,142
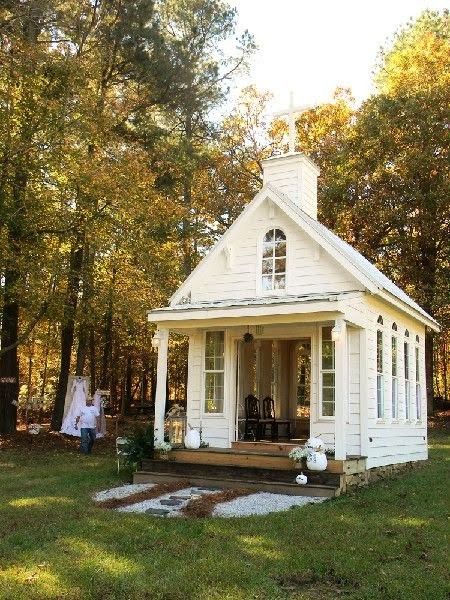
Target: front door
x,y
302,387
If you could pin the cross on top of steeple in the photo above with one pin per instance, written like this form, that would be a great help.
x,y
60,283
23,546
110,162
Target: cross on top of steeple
x,y
290,113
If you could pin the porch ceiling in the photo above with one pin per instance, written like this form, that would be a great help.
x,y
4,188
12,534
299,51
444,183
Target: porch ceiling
x,y
311,307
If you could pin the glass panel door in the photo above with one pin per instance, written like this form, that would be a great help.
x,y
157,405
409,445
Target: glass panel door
x,y
302,387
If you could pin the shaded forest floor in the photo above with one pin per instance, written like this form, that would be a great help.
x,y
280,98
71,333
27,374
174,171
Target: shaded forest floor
x,y
383,542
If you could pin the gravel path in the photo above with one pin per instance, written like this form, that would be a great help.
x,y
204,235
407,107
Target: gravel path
x,y
262,503
122,492
171,503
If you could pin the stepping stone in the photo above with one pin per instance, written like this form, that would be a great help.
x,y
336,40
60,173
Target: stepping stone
x,y
180,497
157,511
208,489
171,502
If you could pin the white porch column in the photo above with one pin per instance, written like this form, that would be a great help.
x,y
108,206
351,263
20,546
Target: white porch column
x,y
341,388
161,384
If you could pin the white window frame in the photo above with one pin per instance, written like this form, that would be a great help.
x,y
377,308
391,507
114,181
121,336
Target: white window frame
x,y
325,371
394,378
259,274
380,376
407,376
205,371
418,387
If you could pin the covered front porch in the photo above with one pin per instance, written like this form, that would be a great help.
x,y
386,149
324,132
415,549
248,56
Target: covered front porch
x,y
305,354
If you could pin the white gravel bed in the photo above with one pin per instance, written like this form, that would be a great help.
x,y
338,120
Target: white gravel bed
x,y
261,503
174,511
122,491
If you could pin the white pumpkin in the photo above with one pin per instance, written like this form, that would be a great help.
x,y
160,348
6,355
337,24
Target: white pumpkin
x,y
301,479
192,439
316,461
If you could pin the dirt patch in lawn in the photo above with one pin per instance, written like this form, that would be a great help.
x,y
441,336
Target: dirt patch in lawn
x,y
320,586
158,490
204,506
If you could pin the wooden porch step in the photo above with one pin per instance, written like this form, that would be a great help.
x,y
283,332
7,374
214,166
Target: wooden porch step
x,y
274,487
281,448
240,473
230,458
257,458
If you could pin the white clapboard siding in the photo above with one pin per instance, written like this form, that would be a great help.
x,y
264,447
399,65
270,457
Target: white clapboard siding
x,y
400,440
308,269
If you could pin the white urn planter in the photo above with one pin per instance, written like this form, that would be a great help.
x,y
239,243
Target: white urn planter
x,y
316,461
192,440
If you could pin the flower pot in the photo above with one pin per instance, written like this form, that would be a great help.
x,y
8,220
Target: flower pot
x,y
161,455
316,461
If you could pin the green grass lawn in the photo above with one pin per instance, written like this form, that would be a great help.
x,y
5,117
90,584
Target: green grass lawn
x,y
388,541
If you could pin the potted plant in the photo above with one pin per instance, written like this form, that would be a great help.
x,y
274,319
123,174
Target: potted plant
x,y
161,450
299,456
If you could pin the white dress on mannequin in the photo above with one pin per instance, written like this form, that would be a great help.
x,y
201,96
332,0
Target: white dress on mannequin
x,y
79,395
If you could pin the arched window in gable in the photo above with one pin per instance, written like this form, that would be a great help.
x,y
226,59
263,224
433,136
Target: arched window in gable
x,y
380,320
274,261
394,326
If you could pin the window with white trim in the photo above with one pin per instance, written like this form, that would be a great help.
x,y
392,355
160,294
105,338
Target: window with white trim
x,y
214,371
418,390
380,377
394,374
407,375
273,276
327,373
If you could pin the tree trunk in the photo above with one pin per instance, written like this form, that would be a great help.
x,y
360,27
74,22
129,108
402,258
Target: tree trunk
x,y
128,384
106,370
9,365
83,331
92,359
67,333
429,369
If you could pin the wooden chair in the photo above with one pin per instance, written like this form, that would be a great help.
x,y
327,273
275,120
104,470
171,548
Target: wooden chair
x,y
270,419
252,418
254,424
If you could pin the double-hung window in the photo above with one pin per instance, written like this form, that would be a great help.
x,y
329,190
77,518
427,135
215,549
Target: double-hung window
x,y
274,261
327,373
214,371
380,378
407,381
418,390
394,373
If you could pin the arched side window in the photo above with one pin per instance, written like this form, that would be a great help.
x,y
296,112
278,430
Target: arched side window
x,y
380,370
394,372
406,360
274,261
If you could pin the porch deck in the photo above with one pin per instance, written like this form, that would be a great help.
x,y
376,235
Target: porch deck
x,y
262,466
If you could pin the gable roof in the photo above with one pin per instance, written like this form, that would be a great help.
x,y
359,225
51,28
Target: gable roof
x,y
349,258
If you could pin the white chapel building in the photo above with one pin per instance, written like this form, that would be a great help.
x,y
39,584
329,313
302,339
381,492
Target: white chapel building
x,y
282,308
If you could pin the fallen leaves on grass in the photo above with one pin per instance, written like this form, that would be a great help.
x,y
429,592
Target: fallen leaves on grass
x,y
204,506
158,490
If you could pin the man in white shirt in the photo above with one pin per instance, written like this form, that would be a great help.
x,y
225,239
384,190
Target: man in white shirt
x,y
89,420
